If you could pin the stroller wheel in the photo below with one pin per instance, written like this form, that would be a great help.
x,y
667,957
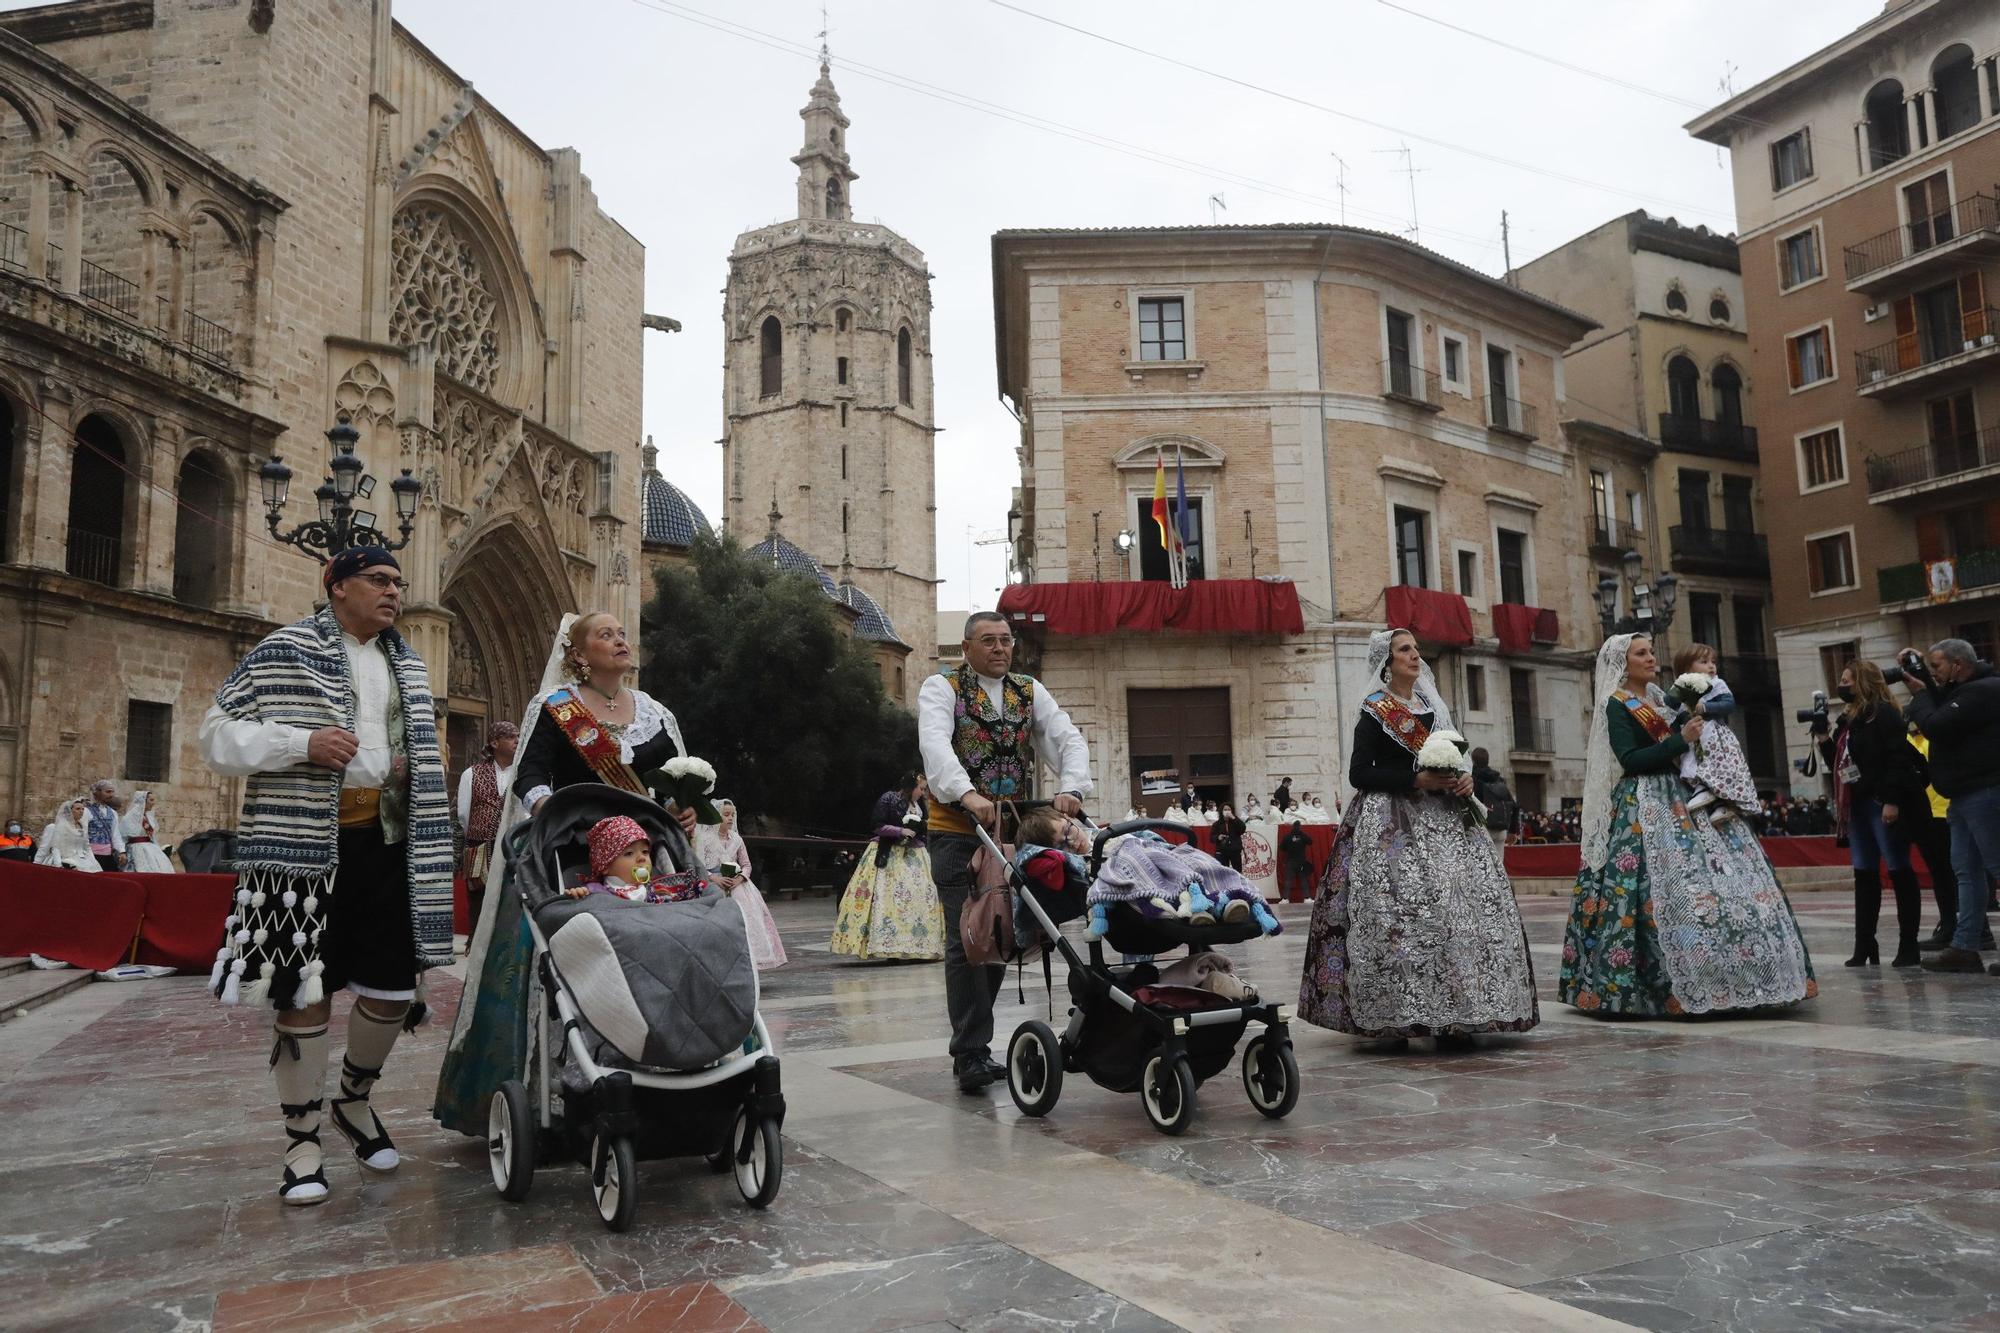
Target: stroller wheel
x,y
758,1155
1035,1068
612,1181
1168,1092
1271,1075
510,1140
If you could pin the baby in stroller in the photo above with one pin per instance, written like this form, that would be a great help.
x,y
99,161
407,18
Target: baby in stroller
x,y
621,864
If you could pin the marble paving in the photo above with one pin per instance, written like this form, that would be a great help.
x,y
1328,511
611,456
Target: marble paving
x,y
1834,1168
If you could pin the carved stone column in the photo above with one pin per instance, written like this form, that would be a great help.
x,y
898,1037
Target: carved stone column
x,y
158,510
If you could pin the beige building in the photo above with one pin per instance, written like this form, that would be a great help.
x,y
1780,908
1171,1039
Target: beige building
x,y
1661,416
827,401
1870,242
1369,432
220,226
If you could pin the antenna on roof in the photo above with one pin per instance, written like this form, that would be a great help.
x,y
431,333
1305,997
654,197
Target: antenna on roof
x,y
1410,169
825,29
1216,201
1726,85
1340,183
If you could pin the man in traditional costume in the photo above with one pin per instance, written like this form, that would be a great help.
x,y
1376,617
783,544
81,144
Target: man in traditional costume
x,y
482,794
103,826
343,853
980,729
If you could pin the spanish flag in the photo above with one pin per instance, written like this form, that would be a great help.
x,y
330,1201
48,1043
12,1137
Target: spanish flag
x,y
1160,500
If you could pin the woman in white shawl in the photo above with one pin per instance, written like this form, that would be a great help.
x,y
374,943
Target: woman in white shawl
x,y
142,832
1673,913
588,663
720,844
1414,932
66,843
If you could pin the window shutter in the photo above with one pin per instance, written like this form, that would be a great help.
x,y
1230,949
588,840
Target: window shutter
x,y
1930,537
1906,333
1972,304
1805,149
1792,360
1991,537
1815,567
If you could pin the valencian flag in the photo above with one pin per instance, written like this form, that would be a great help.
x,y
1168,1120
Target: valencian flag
x,y
1160,500
1182,519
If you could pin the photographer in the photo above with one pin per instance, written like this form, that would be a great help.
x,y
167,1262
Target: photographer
x,y
1879,796
1955,702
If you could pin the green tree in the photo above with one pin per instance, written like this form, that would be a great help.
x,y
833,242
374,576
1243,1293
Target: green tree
x,y
773,689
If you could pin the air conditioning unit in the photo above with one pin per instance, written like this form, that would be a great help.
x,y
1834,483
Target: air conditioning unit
x,y
1873,313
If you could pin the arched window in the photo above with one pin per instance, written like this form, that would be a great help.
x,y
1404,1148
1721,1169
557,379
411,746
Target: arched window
x,y
1677,300
202,519
1956,87
1718,309
97,504
9,486
217,271
842,320
1888,124
114,206
17,146
772,341
1683,389
1728,386
903,368
833,196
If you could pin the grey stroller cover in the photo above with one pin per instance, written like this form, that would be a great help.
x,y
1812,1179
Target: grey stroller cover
x,y
671,985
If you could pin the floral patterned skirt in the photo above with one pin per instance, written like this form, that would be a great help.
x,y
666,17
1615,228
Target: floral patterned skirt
x,y
890,908
1684,916
1414,932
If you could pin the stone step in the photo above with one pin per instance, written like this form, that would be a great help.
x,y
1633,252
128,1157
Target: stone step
x,y
34,988
9,966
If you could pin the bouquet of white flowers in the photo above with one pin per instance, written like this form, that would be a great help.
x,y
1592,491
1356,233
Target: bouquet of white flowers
x,y
688,783
1447,752
1689,687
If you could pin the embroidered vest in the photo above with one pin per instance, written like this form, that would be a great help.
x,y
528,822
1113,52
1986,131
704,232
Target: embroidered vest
x,y
100,819
996,748
483,819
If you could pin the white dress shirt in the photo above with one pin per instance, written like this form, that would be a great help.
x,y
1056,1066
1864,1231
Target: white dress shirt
x,y
236,748
1058,744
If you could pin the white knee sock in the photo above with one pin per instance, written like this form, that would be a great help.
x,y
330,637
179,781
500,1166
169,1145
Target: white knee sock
x,y
298,1067
369,1041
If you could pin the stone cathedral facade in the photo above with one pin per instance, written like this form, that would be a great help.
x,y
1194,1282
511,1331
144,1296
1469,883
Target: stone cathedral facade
x,y
223,223
827,391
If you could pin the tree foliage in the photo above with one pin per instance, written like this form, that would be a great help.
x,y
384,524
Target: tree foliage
x,y
773,689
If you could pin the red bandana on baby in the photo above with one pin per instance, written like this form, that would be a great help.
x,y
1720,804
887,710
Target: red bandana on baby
x,y
609,839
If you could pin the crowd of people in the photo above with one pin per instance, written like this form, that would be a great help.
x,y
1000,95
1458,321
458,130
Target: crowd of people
x,y
100,830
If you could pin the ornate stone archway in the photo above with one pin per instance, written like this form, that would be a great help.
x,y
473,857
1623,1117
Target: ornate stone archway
x,y
506,596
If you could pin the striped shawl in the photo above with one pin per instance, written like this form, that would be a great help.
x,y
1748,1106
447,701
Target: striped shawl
x,y
288,840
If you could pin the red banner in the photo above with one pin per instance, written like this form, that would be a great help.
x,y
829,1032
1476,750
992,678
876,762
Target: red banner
x,y
1206,606
1437,618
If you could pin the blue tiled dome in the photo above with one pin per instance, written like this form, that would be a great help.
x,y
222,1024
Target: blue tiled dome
x,y
874,623
784,555
667,516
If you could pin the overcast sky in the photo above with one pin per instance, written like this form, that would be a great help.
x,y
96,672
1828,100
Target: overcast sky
x,y
686,132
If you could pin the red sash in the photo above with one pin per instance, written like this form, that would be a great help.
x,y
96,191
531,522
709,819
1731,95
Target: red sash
x,y
1648,716
592,741
1397,719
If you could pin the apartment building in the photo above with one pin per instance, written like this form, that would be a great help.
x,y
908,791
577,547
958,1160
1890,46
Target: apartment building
x,y
1670,365
1369,436
1869,232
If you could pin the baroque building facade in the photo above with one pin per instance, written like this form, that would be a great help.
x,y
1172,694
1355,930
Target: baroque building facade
x,y
222,226
827,402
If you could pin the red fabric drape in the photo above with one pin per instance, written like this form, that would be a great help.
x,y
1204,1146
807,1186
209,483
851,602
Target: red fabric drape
x,y
1513,626
1206,606
1561,860
1440,618
77,918
182,926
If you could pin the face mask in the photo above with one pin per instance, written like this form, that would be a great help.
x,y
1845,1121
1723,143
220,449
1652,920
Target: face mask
x,y
1846,693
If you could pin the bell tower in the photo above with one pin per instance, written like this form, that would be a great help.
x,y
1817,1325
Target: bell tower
x,y
826,390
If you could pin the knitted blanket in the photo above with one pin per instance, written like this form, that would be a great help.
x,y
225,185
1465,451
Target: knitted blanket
x,y
1141,868
288,840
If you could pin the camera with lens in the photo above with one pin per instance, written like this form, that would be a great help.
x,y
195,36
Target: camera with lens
x,y
1909,666
1815,717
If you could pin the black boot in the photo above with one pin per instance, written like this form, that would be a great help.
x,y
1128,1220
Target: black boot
x,y
1867,910
1909,916
1944,889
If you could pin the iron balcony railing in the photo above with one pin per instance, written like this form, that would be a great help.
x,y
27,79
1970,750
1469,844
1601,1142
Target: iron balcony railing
x,y
1908,583
1726,549
1976,212
93,556
1934,461
13,248
1536,735
209,338
1972,330
52,269
119,295
1698,435
1512,416
1411,384
115,292
1602,531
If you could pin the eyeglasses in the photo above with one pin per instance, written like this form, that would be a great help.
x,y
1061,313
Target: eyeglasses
x,y
384,582
990,642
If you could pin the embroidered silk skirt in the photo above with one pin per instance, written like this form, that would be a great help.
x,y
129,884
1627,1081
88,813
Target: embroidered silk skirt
x,y
890,908
1415,932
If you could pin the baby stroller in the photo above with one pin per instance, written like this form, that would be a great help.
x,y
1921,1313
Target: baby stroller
x,y
1162,1048
654,1008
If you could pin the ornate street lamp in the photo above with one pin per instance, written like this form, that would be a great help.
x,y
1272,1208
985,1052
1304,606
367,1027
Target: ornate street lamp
x,y
339,524
1652,604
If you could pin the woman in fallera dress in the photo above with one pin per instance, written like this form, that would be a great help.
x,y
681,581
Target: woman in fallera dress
x,y
890,908
1673,914
1414,932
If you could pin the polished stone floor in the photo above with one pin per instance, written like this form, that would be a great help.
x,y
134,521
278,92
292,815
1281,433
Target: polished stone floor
x,y
1837,1168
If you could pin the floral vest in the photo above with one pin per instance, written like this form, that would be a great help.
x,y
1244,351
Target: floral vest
x,y
483,820
997,749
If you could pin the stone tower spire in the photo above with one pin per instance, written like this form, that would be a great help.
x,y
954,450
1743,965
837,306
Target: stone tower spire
x,y
825,178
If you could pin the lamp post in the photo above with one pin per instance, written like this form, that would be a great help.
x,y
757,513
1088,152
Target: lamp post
x,y
338,524
1652,604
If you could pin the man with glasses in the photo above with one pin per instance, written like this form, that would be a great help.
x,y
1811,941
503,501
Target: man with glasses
x,y
981,729
343,854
